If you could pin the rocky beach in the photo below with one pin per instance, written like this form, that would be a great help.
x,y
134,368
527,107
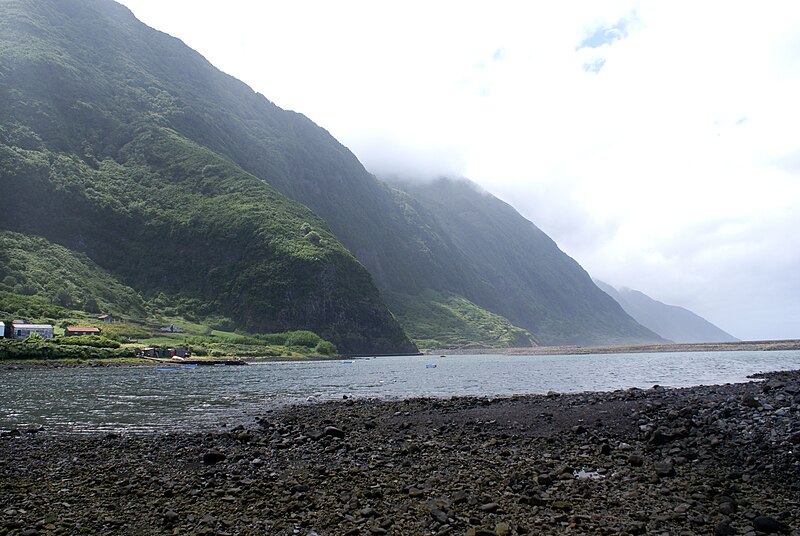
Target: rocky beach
x,y
704,460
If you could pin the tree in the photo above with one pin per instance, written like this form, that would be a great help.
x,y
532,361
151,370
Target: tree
x,y
63,298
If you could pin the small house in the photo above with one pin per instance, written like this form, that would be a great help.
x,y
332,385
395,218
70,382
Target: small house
x,y
106,318
172,329
2,329
23,331
73,331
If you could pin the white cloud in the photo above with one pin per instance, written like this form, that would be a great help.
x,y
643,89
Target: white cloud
x,y
670,166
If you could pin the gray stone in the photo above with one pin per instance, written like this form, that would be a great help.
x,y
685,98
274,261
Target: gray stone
x,y
438,515
489,507
635,460
724,529
767,524
170,517
665,468
334,432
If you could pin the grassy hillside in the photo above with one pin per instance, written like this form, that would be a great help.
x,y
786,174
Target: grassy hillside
x,y
33,266
110,138
439,320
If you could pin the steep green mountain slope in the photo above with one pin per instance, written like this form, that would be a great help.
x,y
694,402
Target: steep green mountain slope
x,y
441,320
109,146
670,321
33,266
515,270
153,163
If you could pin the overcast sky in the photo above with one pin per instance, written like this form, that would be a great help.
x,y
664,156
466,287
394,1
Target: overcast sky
x,y
658,143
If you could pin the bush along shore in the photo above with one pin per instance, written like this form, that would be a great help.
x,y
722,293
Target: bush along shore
x,y
704,460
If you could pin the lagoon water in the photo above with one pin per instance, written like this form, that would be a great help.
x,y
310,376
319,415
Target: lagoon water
x,y
144,399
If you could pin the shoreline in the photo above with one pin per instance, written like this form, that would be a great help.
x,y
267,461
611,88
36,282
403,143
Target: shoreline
x,y
790,344
721,459
531,351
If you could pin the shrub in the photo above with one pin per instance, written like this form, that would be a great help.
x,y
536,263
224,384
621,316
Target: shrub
x,y
314,238
63,298
326,348
95,341
308,339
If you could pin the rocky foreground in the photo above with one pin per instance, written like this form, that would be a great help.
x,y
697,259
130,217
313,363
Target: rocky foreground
x,y
705,460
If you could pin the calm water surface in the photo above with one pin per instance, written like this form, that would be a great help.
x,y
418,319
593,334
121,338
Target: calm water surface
x,y
144,399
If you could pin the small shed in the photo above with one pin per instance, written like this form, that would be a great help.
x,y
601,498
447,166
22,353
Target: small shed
x,y
2,329
106,318
23,331
72,331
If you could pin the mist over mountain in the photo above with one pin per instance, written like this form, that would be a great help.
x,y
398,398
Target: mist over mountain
x,y
670,321
494,257
120,143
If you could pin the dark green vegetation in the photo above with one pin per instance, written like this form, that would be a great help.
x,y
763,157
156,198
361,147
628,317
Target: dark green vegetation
x,y
182,184
61,348
670,321
118,142
32,266
221,344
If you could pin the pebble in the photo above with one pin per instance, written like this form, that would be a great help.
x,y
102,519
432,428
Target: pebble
x,y
703,460
767,524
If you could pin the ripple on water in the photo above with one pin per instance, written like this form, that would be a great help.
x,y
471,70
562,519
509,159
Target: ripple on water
x,y
141,399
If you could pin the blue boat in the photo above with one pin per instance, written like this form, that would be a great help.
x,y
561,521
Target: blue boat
x,y
430,365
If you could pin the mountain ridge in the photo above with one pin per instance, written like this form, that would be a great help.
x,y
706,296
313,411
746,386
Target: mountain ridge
x,y
273,220
672,322
514,269
99,153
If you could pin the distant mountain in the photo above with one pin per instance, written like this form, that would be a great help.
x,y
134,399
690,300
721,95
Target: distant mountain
x,y
478,247
670,321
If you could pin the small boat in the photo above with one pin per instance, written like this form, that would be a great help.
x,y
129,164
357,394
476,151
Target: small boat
x,y
347,362
430,365
189,365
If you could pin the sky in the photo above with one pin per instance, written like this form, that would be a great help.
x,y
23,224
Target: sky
x,y
658,143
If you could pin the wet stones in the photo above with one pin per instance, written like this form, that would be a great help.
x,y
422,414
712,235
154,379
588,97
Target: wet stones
x,y
454,466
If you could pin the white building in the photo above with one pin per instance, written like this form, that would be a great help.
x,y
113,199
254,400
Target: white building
x,y
23,331
2,329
